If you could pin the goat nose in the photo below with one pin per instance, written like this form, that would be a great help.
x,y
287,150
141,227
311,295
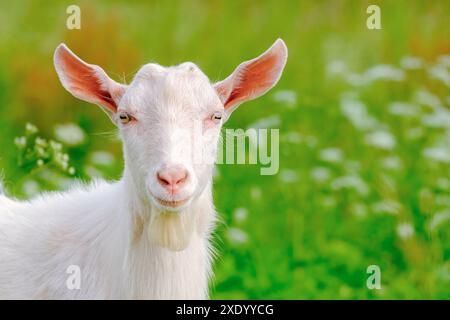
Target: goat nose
x,y
172,177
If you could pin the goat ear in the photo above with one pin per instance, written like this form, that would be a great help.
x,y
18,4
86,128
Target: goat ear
x,y
253,78
87,82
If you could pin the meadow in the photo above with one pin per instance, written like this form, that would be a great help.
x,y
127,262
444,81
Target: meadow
x,y
363,116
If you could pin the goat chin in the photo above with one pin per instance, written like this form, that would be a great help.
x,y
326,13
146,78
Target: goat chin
x,y
172,230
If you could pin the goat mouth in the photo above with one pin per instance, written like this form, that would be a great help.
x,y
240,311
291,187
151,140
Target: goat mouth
x,y
171,203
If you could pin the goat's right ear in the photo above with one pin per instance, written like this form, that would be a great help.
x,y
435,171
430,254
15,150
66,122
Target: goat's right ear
x,y
87,82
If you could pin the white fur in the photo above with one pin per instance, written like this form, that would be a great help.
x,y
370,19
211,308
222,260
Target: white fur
x,y
98,229
126,243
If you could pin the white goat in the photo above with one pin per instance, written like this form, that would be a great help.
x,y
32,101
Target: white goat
x,y
146,236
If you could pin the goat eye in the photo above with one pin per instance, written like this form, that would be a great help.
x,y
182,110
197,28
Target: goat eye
x,y
216,116
124,117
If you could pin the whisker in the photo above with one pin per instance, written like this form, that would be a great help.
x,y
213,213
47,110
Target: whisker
x,y
112,134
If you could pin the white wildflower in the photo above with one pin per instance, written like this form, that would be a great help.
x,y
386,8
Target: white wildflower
x,y
405,230
20,142
70,134
358,209
56,146
411,63
93,172
440,118
240,215
357,113
404,109
30,128
443,200
441,73
30,188
40,151
336,67
321,174
328,202
293,137
426,98
438,219
392,162
384,72
354,182
331,155
288,97
444,60
440,151
237,236
381,139
41,142
443,183
102,158
288,176
356,79
439,154
387,206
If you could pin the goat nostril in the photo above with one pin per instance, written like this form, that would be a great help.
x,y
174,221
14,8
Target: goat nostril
x,y
162,180
183,179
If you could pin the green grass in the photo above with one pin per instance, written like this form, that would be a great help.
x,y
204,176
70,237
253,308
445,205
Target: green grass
x,y
359,183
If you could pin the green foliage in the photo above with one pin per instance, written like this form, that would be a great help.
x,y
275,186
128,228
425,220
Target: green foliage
x,y
35,152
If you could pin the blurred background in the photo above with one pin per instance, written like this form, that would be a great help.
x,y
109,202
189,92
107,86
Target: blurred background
x,y
364,119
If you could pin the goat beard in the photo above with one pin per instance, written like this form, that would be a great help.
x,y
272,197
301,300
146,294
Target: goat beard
x,y
172,231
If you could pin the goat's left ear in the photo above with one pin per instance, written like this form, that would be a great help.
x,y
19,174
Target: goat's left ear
x,y
87,82
252,78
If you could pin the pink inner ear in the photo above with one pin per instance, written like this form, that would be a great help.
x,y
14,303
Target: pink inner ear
x,y
253,78
84,81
